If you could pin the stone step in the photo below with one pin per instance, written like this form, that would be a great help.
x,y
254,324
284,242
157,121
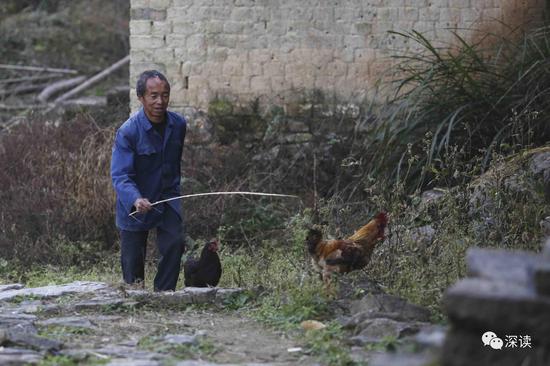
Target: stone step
x,y
508,266
498,306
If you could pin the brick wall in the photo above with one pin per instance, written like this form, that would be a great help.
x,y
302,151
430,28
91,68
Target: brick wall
x,y
243,49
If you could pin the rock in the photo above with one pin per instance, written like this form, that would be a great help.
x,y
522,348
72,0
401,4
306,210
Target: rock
x,y
423,234
21,322
200,295
545,226
224,294
206,363
357,319
166,297
546,249
431,196
18,356
132,362
502,265
181,339
540,164
542,278
464,348
13,286
103,303
23,338
54,291
118,351
431,336
69,321
376,330
500,307
404,359
389,304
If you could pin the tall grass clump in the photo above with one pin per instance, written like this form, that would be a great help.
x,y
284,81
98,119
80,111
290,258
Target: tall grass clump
x,y
455,106
57,208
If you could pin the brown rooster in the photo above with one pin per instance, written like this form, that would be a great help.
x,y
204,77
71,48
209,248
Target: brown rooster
x,y
345,255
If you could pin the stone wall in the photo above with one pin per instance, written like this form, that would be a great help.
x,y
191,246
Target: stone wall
x,y
268,49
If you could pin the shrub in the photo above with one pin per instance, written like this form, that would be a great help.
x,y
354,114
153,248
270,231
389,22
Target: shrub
x,y
57,205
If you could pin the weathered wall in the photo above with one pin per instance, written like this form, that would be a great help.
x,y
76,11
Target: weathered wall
x,y
243,49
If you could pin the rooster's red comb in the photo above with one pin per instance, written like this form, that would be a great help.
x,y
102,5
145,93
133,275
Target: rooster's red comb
x,y
382,216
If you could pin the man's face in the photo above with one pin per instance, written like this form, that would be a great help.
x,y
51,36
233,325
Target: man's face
x,y
155,100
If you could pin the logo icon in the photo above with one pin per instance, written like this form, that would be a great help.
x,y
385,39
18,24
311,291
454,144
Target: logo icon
x,y
491,339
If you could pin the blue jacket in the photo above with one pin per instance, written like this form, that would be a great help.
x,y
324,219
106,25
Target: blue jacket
x,y
144,165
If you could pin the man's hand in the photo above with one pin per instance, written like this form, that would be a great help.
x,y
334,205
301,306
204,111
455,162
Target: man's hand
x,y
142,205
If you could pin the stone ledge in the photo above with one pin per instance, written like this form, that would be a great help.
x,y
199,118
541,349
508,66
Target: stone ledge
x,y
498,306
503,265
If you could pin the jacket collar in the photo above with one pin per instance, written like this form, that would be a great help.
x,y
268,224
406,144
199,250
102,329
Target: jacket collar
x,y
146,124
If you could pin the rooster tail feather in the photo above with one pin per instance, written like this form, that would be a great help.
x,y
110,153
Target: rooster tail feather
x,y
373,229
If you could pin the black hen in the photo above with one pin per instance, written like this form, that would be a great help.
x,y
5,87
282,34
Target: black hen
x,y
206,271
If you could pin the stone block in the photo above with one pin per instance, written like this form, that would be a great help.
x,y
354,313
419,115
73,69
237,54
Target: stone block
x,y
160,4
239,83
139,3
233,67
242,14
337,68
278,83
217,54
13,286
226,40
136,68
163,55
233,27
201,295
429,14
140,27
145,42
502,265
260,84
469,15
384,305
177,42
409,13
505,308
542,278
464,347
461,4
161,28
217,12
182,13
147,14
253,68
209,69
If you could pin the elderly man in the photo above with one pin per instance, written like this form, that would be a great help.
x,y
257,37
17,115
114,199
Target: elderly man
x,y
145,168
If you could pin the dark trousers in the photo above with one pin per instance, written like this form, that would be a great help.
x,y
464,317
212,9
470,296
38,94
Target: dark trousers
x,y
170,243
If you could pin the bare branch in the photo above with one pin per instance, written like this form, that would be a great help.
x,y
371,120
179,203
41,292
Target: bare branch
x,y
94,79
58,86
36,68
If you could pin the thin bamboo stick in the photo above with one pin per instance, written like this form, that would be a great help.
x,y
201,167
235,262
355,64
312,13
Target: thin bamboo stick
x,y
219,194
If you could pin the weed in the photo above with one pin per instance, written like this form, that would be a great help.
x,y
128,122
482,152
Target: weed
x,y
61,360
203,349
329,346
63,332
